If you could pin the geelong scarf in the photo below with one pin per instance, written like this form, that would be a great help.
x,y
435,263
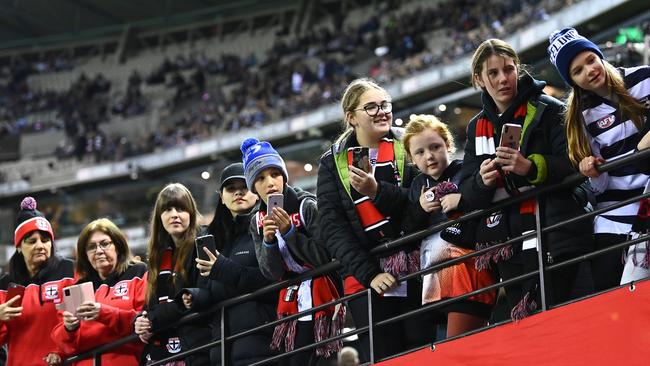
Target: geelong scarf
x,y
328,322
484,145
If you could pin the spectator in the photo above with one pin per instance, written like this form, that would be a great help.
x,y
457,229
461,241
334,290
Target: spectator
x,y
287,244
511,95
42,274
233,270
605,121
174,226
428,143
362,209
120,284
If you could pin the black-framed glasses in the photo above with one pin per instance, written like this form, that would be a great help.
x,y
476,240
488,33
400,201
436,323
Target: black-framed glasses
x,y
92,247
373,109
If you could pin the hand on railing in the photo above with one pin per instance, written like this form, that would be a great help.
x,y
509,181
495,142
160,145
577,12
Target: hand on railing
x,y
187,300
52,359
588,166
143,327
383,282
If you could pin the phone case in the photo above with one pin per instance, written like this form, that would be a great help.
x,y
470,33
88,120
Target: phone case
x,y
274,200
510,136
75,295
204,241
361,159
13,291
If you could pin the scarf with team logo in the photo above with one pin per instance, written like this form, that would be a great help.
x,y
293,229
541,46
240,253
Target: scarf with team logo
x,y
375,224
328,322
494,229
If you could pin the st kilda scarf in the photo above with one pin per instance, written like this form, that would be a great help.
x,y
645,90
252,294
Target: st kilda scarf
x,y
494,229
328,322
375,224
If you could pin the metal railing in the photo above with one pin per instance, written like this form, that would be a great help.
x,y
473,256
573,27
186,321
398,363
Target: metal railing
x,y
570,181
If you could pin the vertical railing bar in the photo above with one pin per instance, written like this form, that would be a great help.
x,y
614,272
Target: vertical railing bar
x,y
97,359
224,362
540,255
371,331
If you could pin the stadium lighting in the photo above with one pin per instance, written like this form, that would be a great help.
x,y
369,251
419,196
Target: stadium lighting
x,y
205,175
309,167
442,107
399,122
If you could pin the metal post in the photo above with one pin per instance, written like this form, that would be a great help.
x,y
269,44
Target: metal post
x,y
224,362
97,359
540,254
371,342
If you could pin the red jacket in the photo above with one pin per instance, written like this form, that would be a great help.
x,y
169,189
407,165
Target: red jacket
x,y
28,336
121,298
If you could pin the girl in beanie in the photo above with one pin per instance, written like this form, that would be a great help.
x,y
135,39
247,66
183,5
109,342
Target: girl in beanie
x,y
286,244
364,208
42,275
606,118
494,173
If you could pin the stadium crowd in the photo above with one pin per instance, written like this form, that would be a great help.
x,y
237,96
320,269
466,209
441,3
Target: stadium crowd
x,y
255,92
376,183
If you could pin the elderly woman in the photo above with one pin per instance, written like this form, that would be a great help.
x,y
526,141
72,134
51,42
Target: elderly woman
x,y
35,269
105,260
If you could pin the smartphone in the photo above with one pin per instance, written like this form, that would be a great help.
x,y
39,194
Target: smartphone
x,y
510,136
14,290
206,241
361,158
274,200
75,295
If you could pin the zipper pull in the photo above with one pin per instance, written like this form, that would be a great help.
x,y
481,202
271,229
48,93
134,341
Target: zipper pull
x,y
549,258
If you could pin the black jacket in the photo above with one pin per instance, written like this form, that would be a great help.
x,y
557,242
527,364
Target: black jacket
x,y
236,272
340,226
544,136
418,219
190,335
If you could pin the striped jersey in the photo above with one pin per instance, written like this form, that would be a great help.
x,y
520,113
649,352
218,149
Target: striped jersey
x,y
612,136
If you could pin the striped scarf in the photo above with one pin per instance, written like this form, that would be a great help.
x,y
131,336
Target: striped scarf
x,y
495,227
375,224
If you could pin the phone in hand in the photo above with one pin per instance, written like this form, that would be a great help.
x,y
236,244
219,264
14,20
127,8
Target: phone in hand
x,y
510,136
361,158
274,200
13,291
75,295
206,241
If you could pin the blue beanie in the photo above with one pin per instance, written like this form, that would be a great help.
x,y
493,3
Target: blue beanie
x,y
564,46
258,156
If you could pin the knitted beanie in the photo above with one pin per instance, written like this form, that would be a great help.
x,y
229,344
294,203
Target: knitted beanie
x,y
30,219
258,156
564,46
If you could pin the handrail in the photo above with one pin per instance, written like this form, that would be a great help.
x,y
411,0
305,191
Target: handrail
x,y
571,180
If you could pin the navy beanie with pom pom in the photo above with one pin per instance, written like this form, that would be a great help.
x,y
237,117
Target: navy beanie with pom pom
x,y
564,46
30,219
258,156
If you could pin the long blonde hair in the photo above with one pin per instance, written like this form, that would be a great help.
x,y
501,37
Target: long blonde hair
x,y
178,196
350,101
577,140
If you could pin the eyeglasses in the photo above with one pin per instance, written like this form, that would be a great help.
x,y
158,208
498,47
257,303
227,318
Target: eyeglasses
x,y
373,109
92,247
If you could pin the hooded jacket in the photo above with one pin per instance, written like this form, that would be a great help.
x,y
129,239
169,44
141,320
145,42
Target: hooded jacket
x,y
544,143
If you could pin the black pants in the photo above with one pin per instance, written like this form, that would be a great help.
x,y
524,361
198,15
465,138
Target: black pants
x,y
607,269
304,336
395,337
559,282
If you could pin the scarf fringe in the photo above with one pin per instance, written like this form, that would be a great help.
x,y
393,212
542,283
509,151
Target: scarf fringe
x,y
524,308
284,331
484,261
326,327
400,263
645,262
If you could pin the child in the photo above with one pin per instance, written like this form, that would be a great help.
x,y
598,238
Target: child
x,y
285,245
428,144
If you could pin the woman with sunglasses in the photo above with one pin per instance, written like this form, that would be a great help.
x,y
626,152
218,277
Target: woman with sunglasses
x,y
492,173
120,284
362,208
